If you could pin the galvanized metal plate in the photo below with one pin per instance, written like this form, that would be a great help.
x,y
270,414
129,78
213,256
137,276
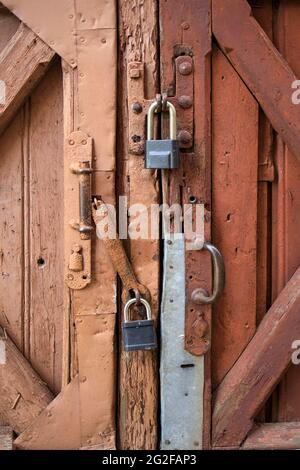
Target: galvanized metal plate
x,y
181,373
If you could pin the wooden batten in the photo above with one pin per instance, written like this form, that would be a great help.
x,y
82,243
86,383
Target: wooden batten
x,y
23,62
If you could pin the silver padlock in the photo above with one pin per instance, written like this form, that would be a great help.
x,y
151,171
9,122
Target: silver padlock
x,y
138,334
161,154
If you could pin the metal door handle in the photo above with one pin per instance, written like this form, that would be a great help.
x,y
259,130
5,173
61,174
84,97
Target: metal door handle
x,y
199,296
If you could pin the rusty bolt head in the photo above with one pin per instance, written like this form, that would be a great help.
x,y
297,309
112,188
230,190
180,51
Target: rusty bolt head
x,y
70,277
184,137
185,25
137,108
185,101
185,68
134,73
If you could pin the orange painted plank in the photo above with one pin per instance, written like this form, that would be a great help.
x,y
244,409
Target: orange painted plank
x,y
274,436
260,65
234,212
286,208
253,377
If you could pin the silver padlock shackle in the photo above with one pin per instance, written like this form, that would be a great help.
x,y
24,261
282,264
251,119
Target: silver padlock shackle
x,y
150,120
134,301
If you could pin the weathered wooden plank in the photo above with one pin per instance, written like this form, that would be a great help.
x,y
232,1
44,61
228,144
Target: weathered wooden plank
x,y
44,222
23,394
234,207
286,207
11,233
138,370
260,65
253,377
274,436
6,438
23,62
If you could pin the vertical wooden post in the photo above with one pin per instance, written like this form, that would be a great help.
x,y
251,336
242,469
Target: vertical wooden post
x,y
186,29
138,370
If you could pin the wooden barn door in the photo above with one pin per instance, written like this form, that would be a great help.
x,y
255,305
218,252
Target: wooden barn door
x,y
255,207
228,66
58,301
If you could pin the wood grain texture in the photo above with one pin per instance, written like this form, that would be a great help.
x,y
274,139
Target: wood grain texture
x,y
23,62
255,374
274,436
138,370
23,394
234,208
286,207
260,65
44,184
9,24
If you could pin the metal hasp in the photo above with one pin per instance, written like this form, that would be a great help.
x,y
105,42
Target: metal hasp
x,y
181,373
161,154
138,334
84,172
181,96
78,228
199,296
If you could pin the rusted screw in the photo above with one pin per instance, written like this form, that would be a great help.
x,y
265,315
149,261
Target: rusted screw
x,y
134,73
198,295
185,101
185,68
71,142
185,25
137,108
184,137
70,277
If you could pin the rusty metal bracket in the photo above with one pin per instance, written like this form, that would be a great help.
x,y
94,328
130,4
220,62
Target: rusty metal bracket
x,y
138,105
78,228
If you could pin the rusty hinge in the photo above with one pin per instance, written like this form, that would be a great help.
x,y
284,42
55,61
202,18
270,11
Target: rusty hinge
x,y
138,105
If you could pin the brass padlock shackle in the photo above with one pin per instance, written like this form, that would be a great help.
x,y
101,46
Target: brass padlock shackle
x,y
135,301
150,120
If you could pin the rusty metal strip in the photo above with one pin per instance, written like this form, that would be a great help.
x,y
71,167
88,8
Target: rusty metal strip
x,y
181,97
96,379
53,22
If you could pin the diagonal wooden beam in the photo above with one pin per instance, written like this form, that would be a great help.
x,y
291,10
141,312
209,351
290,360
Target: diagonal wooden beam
x,y
274,436
23,394
254,376
260,65
23,62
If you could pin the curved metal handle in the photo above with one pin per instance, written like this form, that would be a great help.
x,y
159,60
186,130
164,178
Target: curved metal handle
x,y
199,296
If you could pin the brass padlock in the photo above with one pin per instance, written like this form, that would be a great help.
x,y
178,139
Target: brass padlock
x,y
162,154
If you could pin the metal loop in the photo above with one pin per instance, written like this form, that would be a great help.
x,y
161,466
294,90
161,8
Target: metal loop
x,y
199,296
172,116
134,301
